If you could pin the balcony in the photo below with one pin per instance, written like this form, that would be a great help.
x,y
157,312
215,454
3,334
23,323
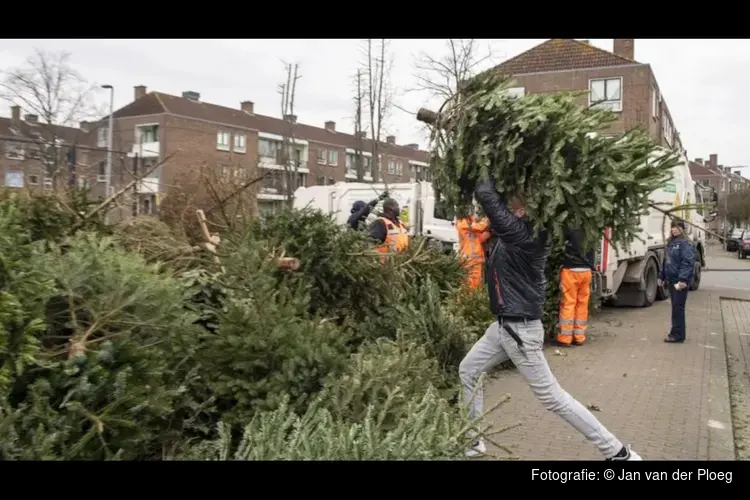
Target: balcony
x,y
146,149
277,163
149,185
273,187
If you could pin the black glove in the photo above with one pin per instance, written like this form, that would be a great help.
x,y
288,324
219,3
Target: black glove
x,y
374,202
383,195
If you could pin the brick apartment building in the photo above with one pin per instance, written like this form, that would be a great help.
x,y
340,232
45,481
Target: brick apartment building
x,y
37,155
614,80
239,143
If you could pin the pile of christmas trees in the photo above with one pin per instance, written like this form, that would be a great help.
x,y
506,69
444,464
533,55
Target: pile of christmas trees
x,y
114,347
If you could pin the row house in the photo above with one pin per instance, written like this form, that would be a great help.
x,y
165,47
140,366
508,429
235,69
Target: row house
x,y
611,79
237,143
723,180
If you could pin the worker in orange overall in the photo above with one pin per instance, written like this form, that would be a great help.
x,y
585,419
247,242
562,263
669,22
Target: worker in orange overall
x,y
472,234
388,231
575,282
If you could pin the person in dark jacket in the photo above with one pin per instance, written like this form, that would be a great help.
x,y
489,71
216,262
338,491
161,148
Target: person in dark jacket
x,y
360,211
517,287
575,281
677,273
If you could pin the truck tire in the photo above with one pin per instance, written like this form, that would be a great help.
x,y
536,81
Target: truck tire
x,y
696,281
650,277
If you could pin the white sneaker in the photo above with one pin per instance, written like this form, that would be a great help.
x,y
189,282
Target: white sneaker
x,y
631,455
477,450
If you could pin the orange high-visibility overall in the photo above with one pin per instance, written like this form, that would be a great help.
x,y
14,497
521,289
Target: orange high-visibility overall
x,y
471,237
396,238
574,307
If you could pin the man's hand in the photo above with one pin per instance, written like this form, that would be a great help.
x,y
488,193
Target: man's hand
x,y
681,285
660,282
374,202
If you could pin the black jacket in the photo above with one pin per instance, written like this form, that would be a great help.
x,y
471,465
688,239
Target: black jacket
x,y
574,256
515,268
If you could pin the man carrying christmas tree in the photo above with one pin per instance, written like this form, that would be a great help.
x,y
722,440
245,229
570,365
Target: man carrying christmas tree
x,y
517,289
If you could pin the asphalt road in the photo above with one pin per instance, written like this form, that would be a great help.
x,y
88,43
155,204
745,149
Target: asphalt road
x,y
725,271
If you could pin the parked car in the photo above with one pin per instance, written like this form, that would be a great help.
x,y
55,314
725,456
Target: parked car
x,y
743,245
733,242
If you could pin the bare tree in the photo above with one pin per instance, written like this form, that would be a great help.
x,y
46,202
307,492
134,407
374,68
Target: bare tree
x,y
440,77
376,68
290,155
51,90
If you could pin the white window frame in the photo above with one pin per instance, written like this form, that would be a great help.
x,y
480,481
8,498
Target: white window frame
x,y
517,91
223,140
391,167
17,176
15,151
333,157
399,168
102,136
139,132
667,130
322,156
240,143
99,176
614,105
655,103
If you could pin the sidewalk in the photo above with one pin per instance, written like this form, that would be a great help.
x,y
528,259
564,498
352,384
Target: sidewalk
x,y
670,401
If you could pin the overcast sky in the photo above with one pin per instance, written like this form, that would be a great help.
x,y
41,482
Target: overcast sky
x,y
700,79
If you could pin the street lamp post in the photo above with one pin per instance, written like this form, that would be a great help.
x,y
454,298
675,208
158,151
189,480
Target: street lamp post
x,y
109,138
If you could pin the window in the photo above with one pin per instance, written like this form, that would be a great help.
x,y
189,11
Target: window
x,y
33,180
101,172
516,92
655,103
399,168
322,154
301,180
320,180
14,151
367,165
14,178
391,167
102,136
268,148
331,181
240,143
606,93
222,141
333,157
350,162
147,133
667,130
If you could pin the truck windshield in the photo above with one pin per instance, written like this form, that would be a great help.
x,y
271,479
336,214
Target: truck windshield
x,y
737,233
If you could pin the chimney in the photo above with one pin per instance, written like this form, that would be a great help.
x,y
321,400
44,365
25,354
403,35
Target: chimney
x,y
625,47
330,126
413,146
84,125
738,172
140,91
193,96
713,160
15,117
361,135
391,139
290,118
29,118
248,107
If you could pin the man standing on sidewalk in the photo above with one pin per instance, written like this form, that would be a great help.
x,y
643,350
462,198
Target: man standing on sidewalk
x,y
575,281
517,286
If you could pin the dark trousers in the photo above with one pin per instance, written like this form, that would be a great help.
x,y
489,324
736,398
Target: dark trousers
x,y
678,299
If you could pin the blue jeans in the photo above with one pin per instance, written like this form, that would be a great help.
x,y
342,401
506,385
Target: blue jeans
x,y
678,299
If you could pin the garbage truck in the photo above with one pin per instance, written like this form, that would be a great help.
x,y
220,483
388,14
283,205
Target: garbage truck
x,y
629,277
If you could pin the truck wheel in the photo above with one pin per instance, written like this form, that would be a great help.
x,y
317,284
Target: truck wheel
x,y
696,281
650,277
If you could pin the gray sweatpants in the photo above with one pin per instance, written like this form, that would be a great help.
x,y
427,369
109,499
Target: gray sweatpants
x,y
497,346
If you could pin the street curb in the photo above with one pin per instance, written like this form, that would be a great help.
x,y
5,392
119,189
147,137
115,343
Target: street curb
x,y
717,414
